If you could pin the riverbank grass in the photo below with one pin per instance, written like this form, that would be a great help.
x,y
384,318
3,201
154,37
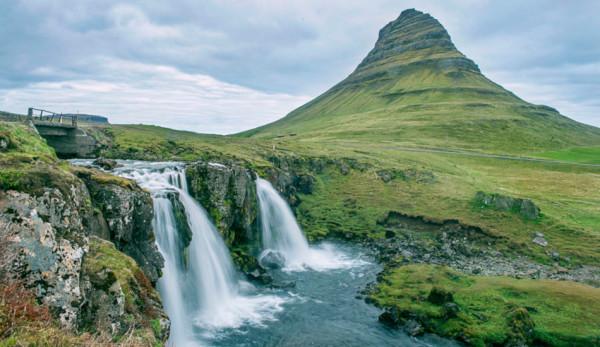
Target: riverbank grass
x,y
493,310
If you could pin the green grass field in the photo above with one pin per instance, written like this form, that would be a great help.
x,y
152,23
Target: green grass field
x,y
584,155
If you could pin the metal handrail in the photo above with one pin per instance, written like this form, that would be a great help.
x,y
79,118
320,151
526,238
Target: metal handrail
x,y
50,116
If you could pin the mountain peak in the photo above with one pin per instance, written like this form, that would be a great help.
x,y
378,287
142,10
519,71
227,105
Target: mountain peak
x,y
414,37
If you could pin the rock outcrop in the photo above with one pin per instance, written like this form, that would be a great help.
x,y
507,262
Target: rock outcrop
x,y
44,260
524,207
48,227
119,296
228,193
183,227
128,212
414,38
86,282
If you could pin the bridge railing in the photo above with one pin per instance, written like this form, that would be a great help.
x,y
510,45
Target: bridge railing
x,y
36,114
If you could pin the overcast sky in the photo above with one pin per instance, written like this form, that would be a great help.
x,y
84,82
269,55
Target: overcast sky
x,y
222,66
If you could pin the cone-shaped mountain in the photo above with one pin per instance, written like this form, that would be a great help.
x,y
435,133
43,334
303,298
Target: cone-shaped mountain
x,y
415,88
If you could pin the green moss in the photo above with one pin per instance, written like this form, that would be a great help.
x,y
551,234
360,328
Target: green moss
x,y
102,177
156,328
138,292
103,255
494,310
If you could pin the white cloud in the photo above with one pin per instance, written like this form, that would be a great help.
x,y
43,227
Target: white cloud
x,y
132,92
132,22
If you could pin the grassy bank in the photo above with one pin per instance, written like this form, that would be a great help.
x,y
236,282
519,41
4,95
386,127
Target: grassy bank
x,y
485,311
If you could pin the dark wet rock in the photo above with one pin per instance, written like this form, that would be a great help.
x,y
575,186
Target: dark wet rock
x,y
450,310
259,276
283,284
414,328
439,296
390,233
272,260
525,207
391,317
183,227
106,164
228,193
304,183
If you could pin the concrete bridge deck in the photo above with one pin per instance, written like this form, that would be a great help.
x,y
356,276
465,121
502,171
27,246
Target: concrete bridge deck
x,y
62,133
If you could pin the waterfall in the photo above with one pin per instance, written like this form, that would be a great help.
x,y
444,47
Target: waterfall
x,y
205,297
281,233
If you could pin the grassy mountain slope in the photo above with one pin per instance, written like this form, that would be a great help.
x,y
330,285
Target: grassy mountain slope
x,y
415,88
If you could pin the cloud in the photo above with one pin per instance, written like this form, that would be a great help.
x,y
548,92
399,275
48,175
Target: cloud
x,y
130,21
132,92
546,52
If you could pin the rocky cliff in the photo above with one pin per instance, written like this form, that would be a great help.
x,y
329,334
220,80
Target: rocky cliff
x,y
125,218
228,193
49,223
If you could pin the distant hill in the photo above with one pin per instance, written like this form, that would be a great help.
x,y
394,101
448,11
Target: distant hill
x,y
89,118
11,117
416,88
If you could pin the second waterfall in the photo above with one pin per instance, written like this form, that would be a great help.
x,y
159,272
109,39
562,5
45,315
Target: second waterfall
x,y
282,235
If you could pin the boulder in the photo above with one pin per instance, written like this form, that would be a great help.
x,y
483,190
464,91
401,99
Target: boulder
x,y
538,239
439,296
386,175
106,164
414,328
4,142
525,207
271,259
391,317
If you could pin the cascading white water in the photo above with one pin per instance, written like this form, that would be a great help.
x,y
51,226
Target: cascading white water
x,y
203,297
281,233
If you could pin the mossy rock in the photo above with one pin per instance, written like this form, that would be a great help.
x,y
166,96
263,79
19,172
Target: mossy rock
x,y
120,297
